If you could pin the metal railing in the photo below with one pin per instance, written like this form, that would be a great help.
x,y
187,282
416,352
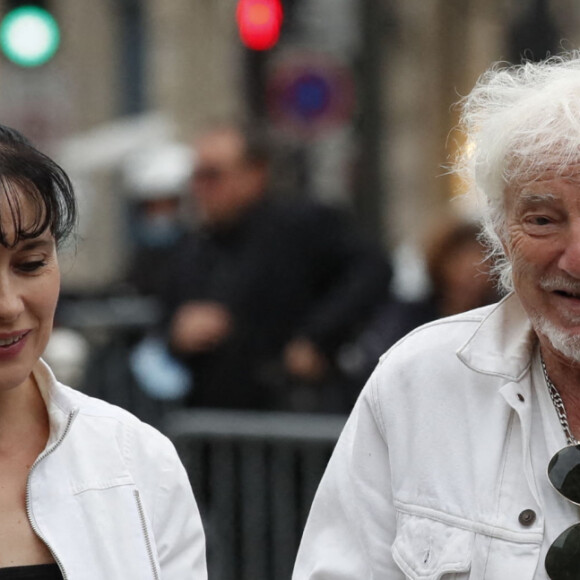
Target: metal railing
x,y
254,476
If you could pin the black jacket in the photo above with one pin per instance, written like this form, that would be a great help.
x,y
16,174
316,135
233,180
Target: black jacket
x,y
285,270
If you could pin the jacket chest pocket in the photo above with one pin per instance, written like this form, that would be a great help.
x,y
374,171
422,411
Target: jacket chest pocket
x,y
426,549
117,527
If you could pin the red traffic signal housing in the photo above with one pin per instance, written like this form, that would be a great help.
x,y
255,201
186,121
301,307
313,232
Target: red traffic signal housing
x,y
259,23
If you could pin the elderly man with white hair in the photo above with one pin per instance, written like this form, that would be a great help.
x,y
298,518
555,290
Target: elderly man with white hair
x,y
461,458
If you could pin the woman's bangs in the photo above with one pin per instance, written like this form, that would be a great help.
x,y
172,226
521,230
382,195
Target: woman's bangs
x,y
24,213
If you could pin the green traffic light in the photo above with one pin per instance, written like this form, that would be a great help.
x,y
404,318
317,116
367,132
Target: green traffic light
x,y
29,36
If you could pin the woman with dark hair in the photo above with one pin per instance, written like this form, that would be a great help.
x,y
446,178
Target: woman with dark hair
x,y
87,491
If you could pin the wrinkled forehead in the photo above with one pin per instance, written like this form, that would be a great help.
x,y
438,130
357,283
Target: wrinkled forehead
x,y
544,176
526,158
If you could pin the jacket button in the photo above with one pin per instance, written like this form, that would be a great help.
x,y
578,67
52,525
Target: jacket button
x,y
521,397
527,517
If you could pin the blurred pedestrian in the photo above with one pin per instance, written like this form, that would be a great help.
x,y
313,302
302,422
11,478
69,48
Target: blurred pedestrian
x,y
266,290
133,367
155,180
458,269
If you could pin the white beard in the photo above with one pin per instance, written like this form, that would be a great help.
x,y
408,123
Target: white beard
x,y
565,343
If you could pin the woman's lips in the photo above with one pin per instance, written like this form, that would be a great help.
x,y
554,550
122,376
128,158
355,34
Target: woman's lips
x,y
11,344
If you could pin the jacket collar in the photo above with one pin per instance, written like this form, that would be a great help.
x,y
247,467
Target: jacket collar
x,y
59,404
503,343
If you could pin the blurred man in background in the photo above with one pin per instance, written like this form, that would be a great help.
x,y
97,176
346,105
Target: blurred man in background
x,y
265,291
155,180
130,364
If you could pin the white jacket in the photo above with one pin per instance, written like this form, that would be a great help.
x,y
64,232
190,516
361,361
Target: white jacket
x,y
109,495
432,476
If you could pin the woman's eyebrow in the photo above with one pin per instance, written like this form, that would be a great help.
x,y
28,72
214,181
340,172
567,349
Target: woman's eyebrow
x,y
36,244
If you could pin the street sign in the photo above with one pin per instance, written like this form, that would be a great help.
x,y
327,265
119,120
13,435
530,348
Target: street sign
x,y
310,93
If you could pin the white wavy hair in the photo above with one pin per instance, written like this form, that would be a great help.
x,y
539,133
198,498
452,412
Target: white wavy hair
x,y
518,122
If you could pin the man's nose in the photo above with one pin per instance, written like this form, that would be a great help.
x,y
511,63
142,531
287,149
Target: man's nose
x,y
569,260
11,304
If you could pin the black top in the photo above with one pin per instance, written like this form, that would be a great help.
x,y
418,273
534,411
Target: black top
x,y
286,270
39,572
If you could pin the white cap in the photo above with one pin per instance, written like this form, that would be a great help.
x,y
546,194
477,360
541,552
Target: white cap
x,y
158,171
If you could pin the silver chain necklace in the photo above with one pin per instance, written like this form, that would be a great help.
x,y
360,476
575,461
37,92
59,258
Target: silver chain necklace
x,y
559,406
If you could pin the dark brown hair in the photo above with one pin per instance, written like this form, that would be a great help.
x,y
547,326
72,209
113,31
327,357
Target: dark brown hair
x,y
24,169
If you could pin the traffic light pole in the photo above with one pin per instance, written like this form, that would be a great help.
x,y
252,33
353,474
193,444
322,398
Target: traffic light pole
x,y
369,194
131,64
255,83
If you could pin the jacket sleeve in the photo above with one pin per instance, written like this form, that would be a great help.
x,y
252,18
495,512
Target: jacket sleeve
x,y
175,518
351,526
355,274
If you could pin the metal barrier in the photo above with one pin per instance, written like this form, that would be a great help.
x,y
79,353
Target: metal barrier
x,y
254,476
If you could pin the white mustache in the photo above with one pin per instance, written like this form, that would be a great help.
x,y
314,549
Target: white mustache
x,y
559,283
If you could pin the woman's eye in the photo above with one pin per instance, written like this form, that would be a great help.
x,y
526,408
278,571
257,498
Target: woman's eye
x,y
32,266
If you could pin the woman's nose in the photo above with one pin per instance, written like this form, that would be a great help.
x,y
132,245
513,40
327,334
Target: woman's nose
x,y
11,304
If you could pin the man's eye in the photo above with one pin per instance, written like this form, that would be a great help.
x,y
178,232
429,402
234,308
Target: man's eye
x,y
31,266
539,220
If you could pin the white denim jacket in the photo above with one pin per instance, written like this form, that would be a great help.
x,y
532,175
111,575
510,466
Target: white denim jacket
x,y
109,495
432,476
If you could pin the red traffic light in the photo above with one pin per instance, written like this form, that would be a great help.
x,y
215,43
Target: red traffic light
x,y
259,23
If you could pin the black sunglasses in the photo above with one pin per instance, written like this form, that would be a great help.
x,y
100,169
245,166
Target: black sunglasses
x,y
563,557
209,173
